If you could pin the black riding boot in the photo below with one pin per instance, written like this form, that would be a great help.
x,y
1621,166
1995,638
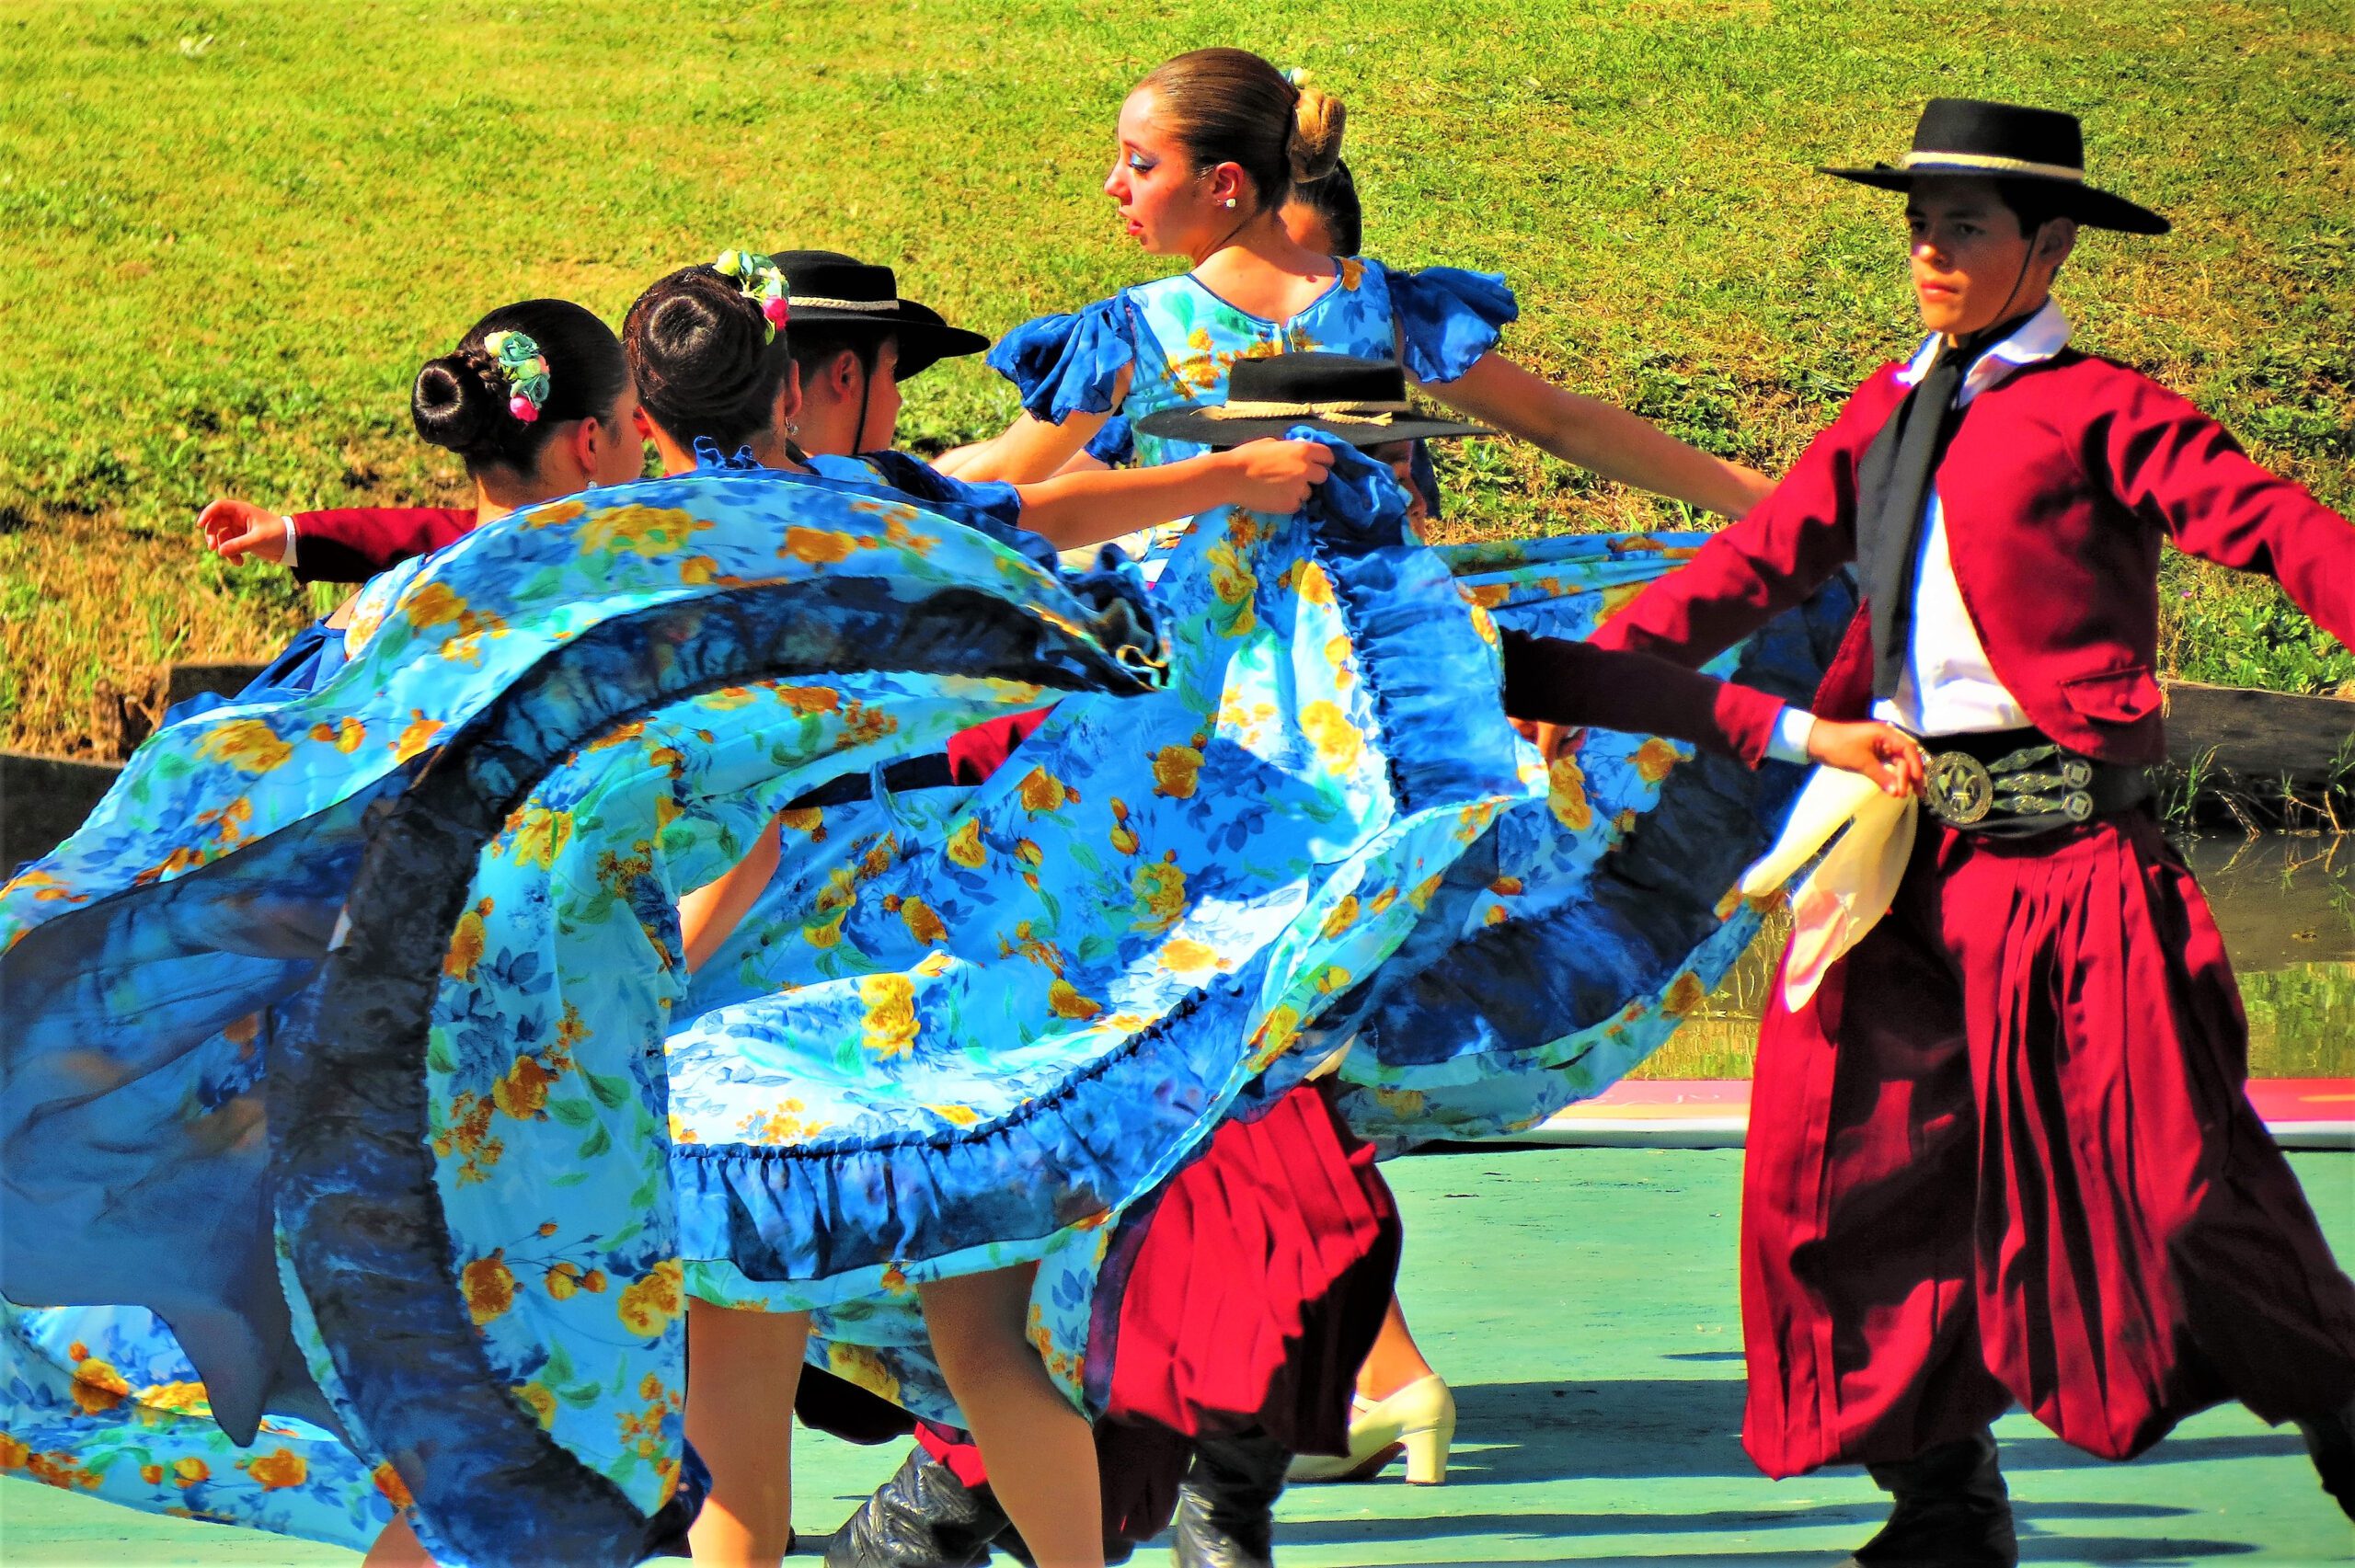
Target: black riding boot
x,y
922,1517
1226,1505
2331,1440
1952,1511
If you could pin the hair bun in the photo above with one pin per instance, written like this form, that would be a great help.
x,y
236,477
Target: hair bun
x,y
1315,147
454,403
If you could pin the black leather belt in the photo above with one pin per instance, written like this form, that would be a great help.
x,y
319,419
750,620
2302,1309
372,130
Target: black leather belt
x,y
2012,782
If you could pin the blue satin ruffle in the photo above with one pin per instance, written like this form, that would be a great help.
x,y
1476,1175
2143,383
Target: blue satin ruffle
x,y
1448,317
1070,363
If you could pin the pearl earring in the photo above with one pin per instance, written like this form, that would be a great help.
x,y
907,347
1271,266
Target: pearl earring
x,y
1230,202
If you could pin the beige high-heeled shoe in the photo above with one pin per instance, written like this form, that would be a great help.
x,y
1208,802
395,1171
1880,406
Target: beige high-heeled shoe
x,y
1418,1421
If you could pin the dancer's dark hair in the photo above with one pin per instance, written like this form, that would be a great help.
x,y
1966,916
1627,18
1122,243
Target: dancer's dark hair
x,y
1228,106
465,401
705,363
816,343
1334,199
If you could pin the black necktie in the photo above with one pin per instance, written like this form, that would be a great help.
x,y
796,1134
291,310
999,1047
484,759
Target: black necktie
x,y
1893,485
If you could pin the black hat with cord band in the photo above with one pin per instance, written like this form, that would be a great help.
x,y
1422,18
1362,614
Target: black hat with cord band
x,y
1363,402
1973,139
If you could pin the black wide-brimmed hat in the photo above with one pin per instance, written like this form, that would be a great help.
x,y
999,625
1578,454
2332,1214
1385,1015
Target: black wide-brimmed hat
x,y
827,286
1363,402
1971,139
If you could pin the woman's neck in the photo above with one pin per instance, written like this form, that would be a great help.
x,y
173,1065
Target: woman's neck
x,y
768,449
1263,269
497,498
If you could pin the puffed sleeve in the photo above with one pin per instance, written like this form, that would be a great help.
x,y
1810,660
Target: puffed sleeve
x,y
1448,318
1067,364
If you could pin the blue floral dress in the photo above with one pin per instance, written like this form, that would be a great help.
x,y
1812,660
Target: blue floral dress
x,y
1589,922
1177,339
1221,883
334,1095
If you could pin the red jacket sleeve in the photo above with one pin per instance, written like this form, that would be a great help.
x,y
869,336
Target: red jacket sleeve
x,y
1752,570
354,543
2176,467
1559,680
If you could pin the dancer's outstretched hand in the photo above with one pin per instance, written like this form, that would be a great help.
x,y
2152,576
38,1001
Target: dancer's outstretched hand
x,y
235,530
1276,476
1882,752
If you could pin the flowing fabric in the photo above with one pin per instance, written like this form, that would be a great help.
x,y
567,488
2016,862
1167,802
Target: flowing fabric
x,y
1570,930
970,1028
337,1030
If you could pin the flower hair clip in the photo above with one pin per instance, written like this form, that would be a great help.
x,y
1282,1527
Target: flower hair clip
x,y
762,282
524,369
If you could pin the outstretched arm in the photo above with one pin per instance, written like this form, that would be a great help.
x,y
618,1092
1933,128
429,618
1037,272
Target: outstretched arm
x,y
1770,560
1559,683
1031,449
2176,466
1600,436
1076,509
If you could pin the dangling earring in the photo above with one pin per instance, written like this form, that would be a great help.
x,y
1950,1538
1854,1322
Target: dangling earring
x,y
791,428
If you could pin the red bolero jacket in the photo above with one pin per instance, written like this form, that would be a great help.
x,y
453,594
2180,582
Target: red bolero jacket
x,y
354,543
2059,486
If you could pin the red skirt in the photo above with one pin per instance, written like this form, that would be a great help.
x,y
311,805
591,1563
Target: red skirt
x,y
2004,1154
1244,1298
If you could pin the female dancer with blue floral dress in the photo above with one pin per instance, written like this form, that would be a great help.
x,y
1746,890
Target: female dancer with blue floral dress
x,y
715,379
336,1030
1211,142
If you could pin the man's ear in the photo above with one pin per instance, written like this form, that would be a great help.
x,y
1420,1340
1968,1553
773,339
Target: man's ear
x,y
842,374
2056,242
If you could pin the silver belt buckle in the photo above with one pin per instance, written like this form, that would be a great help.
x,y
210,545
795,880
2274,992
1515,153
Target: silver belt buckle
x,y
1961,791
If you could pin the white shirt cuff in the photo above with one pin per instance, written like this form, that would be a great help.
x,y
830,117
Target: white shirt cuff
x,y
1793,729
287,560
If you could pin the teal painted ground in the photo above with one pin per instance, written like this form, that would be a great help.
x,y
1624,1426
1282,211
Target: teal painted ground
x,y
1582,1303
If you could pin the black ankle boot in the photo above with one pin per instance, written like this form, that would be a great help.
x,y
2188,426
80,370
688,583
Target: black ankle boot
x,y
1952,1511
2331,1440
922,1517
1226,1505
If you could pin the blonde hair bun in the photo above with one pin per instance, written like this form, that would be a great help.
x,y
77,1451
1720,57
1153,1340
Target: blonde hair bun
x,y
1315,146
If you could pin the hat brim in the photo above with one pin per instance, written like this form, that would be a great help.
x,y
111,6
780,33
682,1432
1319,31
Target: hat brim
x,y
924,338
2095,209
1196,425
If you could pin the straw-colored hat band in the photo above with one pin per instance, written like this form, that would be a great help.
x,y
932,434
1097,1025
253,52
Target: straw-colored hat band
x,y
819,302
1353,412
1920,160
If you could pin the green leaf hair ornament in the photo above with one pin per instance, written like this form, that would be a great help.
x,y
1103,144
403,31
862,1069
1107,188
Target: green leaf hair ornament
x,y
524,369
762,282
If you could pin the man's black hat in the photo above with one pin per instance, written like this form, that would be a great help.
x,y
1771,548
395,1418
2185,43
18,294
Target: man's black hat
x,y
828,286
1968,138
1363,402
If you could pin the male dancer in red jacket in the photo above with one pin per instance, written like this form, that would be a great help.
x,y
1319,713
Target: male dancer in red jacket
x,y
2003,1153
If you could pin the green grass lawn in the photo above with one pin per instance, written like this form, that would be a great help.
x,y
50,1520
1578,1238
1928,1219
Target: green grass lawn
x,y
234,231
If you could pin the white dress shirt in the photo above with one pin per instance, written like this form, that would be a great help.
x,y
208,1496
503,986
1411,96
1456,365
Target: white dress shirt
x,y
1948,687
